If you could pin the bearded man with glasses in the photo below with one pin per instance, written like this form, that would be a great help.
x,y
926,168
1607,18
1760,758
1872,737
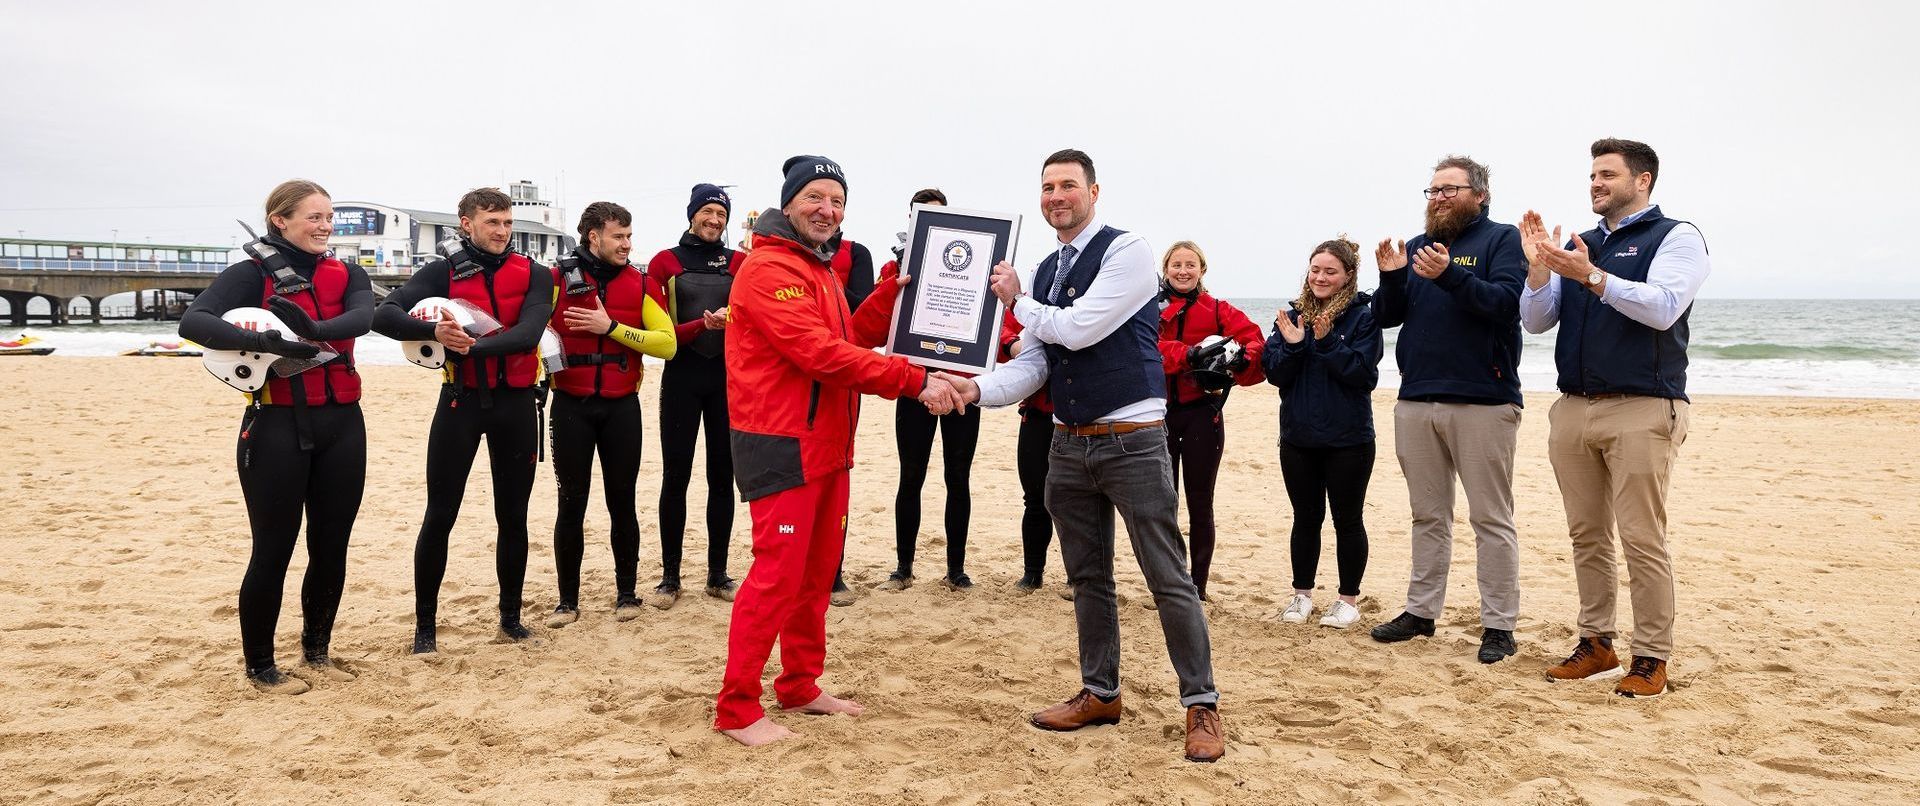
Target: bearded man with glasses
x,y
1455,292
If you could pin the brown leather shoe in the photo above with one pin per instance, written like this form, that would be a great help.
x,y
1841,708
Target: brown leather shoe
x,y
1083,710
1646,680
1206,736
1592,659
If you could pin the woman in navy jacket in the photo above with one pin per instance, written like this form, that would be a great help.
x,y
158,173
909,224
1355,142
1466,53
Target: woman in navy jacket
x,y
1325,357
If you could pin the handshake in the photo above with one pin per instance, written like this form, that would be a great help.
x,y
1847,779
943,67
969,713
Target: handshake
x,y
946,393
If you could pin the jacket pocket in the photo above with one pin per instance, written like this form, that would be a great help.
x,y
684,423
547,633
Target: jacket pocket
x,y
764,464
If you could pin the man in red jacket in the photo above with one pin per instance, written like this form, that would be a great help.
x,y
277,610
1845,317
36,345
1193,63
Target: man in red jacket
x,y
794,380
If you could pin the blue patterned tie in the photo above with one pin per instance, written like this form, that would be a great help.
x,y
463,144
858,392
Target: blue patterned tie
x,y
1060,272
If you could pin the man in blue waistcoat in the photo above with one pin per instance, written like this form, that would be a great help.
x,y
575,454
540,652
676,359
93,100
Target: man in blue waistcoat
x,y
1092,334
1454,292
1621,295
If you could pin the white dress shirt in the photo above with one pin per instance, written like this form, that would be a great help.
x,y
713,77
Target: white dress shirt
x,y
1126,282
1679,268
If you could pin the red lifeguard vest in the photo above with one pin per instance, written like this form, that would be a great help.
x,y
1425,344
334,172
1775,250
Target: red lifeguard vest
x,y
335,381
501,294
596,364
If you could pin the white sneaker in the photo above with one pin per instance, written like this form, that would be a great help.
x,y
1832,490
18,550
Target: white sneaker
x,y
1298,609
1340,616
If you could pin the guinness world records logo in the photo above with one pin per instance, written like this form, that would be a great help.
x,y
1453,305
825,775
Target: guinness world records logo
x,y
958,255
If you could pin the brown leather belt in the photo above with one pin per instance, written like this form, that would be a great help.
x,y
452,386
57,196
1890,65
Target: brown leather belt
x,y
1103,429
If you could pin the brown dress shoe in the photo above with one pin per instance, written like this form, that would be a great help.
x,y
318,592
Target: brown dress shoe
x,y
1646,680
1083,710
1206,737
1592,659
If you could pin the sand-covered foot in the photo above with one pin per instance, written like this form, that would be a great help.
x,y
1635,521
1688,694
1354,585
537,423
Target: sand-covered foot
x,y
327,668
273,681
513,632
765,731
626,608
664,597
828,704
562,616
425,641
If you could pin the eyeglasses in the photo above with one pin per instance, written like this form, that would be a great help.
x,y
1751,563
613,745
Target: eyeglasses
x,y
1444,191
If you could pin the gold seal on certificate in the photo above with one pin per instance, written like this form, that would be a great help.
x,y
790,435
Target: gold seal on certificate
x,y
948,316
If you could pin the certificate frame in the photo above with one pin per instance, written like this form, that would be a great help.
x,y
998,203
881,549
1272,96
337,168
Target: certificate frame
x,y
930,325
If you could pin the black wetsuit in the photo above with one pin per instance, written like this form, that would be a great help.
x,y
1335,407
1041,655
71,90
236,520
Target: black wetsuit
x,y
693,394
504,414
913,430
279,479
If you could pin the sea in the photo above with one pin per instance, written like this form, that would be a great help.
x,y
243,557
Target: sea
x,y
1813,348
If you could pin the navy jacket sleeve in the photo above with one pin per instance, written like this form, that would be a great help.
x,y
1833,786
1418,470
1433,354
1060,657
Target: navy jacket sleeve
x,y
392,320
535,309
357,319
1390,301
241,285
1355,360
1281,359
1497,297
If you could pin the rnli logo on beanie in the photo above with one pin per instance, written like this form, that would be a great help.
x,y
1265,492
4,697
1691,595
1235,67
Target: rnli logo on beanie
x,y
826,168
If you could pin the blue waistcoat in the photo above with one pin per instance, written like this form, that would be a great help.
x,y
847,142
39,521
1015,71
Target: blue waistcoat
x,y
1601,351
1120,369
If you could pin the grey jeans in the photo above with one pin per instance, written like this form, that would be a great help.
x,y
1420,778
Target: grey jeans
x,y
1087,478
1436,443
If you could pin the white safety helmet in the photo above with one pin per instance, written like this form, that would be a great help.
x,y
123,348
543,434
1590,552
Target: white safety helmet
x,y
243,369
553,352
1217,354
430,353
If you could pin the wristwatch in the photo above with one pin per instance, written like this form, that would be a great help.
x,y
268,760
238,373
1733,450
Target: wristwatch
x,y
1595,277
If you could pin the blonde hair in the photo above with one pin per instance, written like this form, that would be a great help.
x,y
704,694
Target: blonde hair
x,y
1312,307
1200,287
287,196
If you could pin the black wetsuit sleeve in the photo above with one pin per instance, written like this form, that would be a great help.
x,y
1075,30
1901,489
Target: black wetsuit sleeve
x,y
357,319
535,309
860,277
392,320
239,286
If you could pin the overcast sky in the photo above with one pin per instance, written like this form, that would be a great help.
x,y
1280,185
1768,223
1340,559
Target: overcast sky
x,y
1785,130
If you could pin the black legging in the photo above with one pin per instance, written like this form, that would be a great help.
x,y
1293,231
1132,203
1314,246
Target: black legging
x,y
580,426
913,428
1316,477
459,421
1196,434
1030,457
693,390
279,481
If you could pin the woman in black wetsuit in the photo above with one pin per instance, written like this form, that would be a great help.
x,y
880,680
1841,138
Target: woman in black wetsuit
x,y
302,448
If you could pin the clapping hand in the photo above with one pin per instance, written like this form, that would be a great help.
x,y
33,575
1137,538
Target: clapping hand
x,y
1293,333
449,333
1431,261
714,320
1322,324
1573,264
1533,233
1391,256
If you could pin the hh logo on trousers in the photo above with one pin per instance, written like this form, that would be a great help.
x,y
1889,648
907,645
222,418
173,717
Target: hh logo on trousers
x,y
786,528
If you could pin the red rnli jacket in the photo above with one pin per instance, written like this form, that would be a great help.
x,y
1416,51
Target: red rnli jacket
x,y
1184,323
796,366
335,381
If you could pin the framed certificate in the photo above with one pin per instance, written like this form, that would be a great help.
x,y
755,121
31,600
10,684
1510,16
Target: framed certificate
x,y
948,316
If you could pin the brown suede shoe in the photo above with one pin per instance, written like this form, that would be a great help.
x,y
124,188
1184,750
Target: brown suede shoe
x,y
1592,659
1206,736
1647,679
1083,710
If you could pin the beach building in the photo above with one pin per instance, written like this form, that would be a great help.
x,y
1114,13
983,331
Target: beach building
x,y
388,239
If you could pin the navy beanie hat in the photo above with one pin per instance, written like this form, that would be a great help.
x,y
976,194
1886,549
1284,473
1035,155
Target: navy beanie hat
x,y
806,168
705,194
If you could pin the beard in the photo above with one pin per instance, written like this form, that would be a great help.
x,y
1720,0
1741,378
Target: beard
x,y
1443,227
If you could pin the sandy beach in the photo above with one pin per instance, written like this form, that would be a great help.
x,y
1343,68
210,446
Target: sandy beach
x,y
1795,679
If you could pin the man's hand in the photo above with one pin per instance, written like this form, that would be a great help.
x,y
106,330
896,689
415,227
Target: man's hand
x,y
964,389
293,315
1533,233
1006,283
1572,264
939,396
589,320
1431,261
714,320
1390,255
1294,334
449,333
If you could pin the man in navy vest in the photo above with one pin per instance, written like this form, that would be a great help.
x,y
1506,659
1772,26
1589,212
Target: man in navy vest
x,y
1621,298
1094,316
1457,302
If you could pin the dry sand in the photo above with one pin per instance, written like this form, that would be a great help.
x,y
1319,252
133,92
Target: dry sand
x,y
1792,529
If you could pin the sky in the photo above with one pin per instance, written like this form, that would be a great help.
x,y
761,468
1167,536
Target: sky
x,y
1255,129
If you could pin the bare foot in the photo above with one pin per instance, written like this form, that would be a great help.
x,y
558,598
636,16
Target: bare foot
x,y
765,731
829,704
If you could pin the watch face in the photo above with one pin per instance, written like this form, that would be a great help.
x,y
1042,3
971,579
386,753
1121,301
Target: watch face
x,y
1594,277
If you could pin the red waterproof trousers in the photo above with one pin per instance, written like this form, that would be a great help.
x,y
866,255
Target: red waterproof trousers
x,y
797,537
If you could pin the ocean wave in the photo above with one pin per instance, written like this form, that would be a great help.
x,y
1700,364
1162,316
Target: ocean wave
x,y
1764,351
